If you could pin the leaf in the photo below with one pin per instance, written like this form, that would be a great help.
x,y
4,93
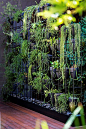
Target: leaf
x,y
44,125
45,14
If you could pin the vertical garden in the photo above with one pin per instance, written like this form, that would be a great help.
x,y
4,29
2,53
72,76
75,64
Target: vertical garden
x,y
45,55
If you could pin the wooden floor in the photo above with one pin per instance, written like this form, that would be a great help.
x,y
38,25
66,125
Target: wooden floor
x,y
16,117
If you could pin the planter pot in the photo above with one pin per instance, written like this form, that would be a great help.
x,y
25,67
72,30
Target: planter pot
x,y
45,82
52,72
67,73
49,57
52,47
26,80
58,45
58,73
51,95
74,99
53,98
74,72
73,41
73,106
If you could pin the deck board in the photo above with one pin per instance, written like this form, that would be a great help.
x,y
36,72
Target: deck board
x,y
14,116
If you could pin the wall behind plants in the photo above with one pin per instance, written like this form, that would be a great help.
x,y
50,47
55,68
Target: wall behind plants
x,y
21,4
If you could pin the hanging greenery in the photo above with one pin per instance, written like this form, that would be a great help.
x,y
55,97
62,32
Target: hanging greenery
x,y
27,18
73,50
62,43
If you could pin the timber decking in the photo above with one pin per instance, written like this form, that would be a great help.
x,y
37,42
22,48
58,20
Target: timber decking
x,y
14,116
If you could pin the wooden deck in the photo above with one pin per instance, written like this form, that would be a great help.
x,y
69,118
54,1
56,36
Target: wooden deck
x,y
16,117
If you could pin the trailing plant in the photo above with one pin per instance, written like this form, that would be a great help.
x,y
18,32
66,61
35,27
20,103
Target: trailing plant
x,y
27,14
16,38
37,33
51,91
17,15
83,42
70,49
24,49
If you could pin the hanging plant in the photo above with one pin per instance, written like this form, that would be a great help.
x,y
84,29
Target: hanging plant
x,y
77,29
73,50
24,49
24,24
62,43
27,18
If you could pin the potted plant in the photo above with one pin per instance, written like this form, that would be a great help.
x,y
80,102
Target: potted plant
x,y
52,69
46,81
51,92
37,81
55,69
74,99
74,71
61,102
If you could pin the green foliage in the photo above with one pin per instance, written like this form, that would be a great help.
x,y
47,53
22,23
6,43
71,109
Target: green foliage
x,y
37,82
69,122
58,8
55,64
17,15
27,14
33,56
24,48
37,32
16,38
43,123
83,24
6,27
51,91
9,10
83,34
61,102
73,116
84,100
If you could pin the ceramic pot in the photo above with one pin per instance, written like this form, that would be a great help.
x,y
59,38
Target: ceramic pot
x,y
74,72
67,73
49,57
47,86
53,98
52,72
58,73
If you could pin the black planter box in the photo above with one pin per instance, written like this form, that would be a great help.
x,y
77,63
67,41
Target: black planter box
x,y
50,113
